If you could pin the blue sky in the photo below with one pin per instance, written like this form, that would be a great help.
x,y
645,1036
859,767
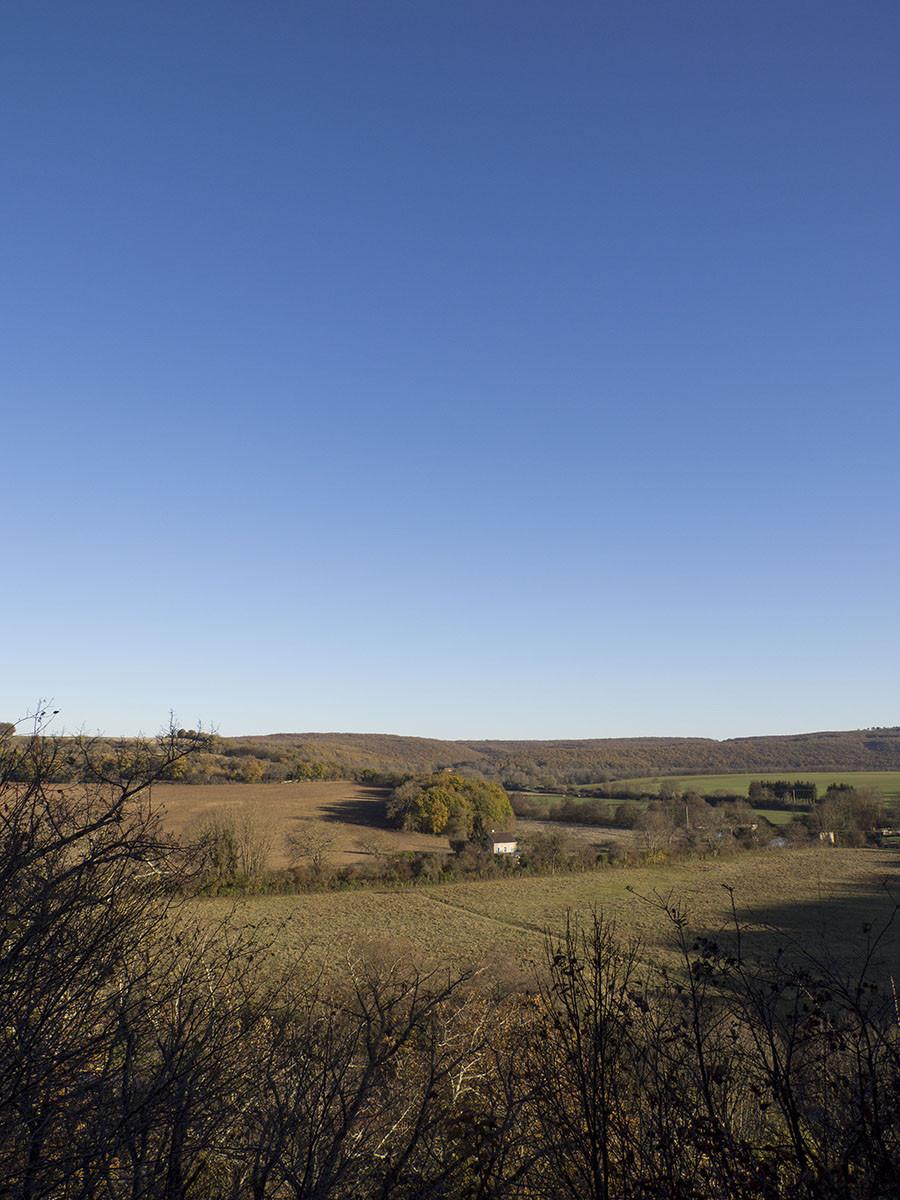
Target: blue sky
x,y
463,369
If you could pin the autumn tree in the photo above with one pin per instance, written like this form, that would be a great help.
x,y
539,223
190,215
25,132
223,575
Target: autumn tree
x,y
450,803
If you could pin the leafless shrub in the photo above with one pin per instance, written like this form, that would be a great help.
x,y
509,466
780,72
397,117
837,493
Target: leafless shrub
x,y
231,844
309,842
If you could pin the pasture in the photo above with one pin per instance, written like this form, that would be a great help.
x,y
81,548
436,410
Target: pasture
x,y
886,783
820,895
823,897
776,816
351,813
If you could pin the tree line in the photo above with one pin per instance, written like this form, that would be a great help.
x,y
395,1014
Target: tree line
x,y
523,765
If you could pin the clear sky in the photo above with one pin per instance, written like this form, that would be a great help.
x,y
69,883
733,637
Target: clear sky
x,y
454,367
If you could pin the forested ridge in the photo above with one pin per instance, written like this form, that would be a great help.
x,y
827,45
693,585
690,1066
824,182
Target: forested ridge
x,y
520,765
523,763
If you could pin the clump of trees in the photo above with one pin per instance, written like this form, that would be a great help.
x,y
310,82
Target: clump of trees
x,y
852,815
457,805
547,853
689,822
672,824
850,812
231,847
783,793
213,759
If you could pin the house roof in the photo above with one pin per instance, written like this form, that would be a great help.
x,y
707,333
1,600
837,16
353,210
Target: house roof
x,y
503,837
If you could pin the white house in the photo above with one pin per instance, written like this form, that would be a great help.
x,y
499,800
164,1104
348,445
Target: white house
x,y
503,843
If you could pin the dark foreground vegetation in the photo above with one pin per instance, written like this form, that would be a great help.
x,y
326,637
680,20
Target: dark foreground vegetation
x,y
143,1055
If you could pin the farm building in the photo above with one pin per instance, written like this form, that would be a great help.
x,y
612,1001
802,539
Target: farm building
x,y
502,843
492,842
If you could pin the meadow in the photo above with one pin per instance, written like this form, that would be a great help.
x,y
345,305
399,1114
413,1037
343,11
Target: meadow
x,y
824,897
822,894
351,814
776,816
887,783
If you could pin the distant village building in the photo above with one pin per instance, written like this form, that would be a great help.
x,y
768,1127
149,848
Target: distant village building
x,y
493,843
502,843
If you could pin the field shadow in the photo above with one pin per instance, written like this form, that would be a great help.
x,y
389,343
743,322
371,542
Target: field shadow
x,y
834,929
366,811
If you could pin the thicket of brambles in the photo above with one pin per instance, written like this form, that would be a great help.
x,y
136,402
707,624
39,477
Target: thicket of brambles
x,y
146,1055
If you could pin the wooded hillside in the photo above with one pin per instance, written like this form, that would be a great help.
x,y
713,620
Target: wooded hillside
x,y
519,765
542,763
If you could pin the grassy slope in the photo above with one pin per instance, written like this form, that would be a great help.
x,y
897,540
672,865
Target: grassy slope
x,y
821,895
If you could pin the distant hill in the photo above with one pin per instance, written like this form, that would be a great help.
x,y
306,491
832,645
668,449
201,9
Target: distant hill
x,y
543,763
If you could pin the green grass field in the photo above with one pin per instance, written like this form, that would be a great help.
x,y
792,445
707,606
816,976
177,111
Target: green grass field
x,y
887,783
776,816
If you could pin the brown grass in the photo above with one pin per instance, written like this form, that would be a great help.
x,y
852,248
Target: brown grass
x,y
823,896
594,835
350,811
